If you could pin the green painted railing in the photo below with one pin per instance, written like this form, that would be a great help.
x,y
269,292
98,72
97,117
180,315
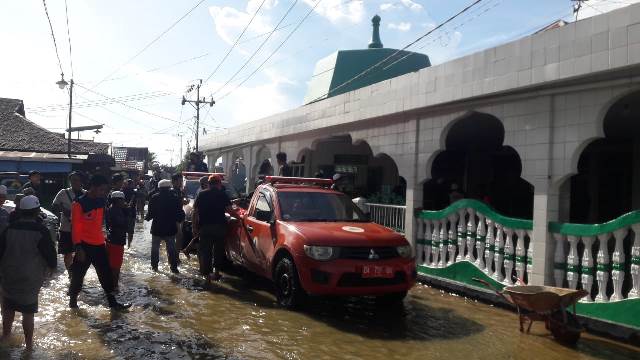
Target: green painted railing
x,y
478,206
592,272
470,230
623,221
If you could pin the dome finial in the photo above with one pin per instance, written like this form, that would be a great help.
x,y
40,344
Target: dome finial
x,y
375,43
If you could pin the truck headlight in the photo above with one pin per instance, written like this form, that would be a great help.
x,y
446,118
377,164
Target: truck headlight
x,y
321,253
405,251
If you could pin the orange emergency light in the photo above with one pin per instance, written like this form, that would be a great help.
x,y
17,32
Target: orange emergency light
x,y
298,181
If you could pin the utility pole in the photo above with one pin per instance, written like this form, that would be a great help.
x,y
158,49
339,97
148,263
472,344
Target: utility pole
x,y
197,103
62,84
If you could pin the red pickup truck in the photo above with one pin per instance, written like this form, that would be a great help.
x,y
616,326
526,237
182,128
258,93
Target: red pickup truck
x,y
311,240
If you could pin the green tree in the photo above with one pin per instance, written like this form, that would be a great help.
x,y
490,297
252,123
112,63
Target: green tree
x,y
152,159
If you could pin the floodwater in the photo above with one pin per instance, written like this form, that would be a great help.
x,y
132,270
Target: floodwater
x,y
178,317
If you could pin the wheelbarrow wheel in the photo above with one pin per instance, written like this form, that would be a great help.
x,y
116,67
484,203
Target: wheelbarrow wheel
x,y
567,333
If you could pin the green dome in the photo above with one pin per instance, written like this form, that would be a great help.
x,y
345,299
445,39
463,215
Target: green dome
x,y
338,68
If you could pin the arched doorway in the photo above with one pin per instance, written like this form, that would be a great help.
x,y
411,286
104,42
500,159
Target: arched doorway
x,y
476,164
607,184
375,177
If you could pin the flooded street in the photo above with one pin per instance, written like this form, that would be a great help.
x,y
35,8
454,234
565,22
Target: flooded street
x,y
177,317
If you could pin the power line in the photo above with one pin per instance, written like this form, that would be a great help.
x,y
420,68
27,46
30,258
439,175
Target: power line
x,y
480,13
370,68
149,44
123,116
276,49
293,4
66,13
160,67
127,105
93,103
236,42
55,45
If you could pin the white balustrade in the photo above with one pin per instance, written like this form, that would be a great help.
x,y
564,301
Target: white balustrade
x,y
587,267
461,233
481,239
635,262
573,260
521,252
499,253
488,249
453,238
444,240
419,246
435,243
508,256
529,255
602,275
428,237
618,263
559,265
471,235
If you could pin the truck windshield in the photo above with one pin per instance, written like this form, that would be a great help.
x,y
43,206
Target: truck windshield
x,y
318,206
192,187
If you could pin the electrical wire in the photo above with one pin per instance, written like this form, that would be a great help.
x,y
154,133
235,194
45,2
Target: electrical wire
x,y
93,103
276,49
236,42
293,4
481,12
66,13
127,105
55,45
370,68
160,67
149,44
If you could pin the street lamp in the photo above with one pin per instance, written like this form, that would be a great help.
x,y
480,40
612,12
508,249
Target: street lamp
x,y
63,84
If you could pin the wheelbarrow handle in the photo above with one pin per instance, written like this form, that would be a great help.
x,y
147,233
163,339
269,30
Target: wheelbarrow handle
x,y
491,287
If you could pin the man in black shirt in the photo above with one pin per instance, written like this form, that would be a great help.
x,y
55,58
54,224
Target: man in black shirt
x,y
283,168
35,183
210,224
165,209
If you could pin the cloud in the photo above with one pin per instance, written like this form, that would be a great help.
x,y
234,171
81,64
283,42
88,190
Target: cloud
x,y
413,6
229,22
336,11
597,7
401,26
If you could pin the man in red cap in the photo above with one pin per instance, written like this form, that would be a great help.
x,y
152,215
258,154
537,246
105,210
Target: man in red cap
x,y
210,224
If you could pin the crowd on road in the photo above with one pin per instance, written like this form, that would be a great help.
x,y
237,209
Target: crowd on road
x,y
97,221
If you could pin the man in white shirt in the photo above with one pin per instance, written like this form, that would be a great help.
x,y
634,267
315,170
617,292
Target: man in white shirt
x,y
62,205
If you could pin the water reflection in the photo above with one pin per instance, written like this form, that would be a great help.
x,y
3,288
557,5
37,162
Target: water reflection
x,y
180,317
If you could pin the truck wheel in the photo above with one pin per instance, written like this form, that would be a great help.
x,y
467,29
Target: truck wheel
x,y
392,299
288,290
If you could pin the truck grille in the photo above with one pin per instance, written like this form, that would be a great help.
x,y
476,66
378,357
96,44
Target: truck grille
x,y
356,280
365,253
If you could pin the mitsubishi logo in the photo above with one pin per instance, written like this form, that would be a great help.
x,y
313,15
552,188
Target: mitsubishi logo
x,y
373,255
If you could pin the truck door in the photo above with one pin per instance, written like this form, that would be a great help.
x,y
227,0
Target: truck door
x,y
259,233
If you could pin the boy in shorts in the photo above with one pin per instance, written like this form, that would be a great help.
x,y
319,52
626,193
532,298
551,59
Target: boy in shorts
x,y
117,227
26,253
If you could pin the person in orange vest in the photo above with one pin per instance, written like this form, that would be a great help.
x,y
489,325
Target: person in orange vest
x,y
87,214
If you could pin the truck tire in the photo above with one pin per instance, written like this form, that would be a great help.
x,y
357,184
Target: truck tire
x,y
289,292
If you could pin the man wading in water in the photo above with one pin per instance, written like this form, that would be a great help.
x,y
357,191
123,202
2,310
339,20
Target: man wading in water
x,y
87,214
26,251
210,224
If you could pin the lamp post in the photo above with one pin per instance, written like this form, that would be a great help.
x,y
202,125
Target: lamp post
x,y
63,84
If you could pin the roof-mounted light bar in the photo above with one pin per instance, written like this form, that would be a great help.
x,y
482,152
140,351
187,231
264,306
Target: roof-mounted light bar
x,y
298,181
198,175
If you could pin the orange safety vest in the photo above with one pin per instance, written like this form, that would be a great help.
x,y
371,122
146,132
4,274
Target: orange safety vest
x,y
86,227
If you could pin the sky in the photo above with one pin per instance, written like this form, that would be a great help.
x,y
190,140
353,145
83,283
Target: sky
x,y
132,61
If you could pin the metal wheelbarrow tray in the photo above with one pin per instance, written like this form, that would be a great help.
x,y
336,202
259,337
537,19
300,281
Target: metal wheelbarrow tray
x,y
547,304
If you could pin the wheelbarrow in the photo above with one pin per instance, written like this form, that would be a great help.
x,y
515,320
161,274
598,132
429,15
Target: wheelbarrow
x,y
547,304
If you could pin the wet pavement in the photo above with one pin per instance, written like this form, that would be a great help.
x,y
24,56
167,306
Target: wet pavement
x,y
179,317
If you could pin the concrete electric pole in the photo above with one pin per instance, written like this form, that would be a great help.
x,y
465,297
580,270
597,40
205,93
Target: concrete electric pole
x,y
196,104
